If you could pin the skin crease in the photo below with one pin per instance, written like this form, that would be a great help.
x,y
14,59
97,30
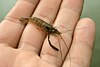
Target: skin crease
x,y
27,46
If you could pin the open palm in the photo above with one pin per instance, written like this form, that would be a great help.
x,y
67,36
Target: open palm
x,y
26,46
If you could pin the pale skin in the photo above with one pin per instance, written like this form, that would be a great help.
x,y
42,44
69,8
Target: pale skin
x,y
26,46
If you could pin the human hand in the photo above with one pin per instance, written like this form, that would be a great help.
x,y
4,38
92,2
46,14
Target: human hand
x,y
26,46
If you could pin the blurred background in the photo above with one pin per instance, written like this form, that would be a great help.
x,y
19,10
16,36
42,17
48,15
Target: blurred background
x,y
91,9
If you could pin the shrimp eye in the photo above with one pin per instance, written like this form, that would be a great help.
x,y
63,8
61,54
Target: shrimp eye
x,y
53,30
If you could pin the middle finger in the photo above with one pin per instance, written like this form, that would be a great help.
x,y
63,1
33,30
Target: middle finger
x,y
32,38
67,18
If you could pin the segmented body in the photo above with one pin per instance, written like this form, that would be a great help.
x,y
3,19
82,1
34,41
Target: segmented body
x,y
42,24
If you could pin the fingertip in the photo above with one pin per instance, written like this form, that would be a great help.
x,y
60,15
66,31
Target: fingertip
x,y
86,22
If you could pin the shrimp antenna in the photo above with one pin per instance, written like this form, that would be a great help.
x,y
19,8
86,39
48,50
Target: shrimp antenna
x,y
67,48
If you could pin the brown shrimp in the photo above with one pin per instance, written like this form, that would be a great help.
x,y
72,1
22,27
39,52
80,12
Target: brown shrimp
x,y
47,28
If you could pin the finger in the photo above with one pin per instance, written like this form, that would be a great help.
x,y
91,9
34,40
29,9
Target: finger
x,y
82,45
11,27
67,17
32,37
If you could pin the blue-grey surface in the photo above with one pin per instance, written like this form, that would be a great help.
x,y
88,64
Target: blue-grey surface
x,y
91,9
